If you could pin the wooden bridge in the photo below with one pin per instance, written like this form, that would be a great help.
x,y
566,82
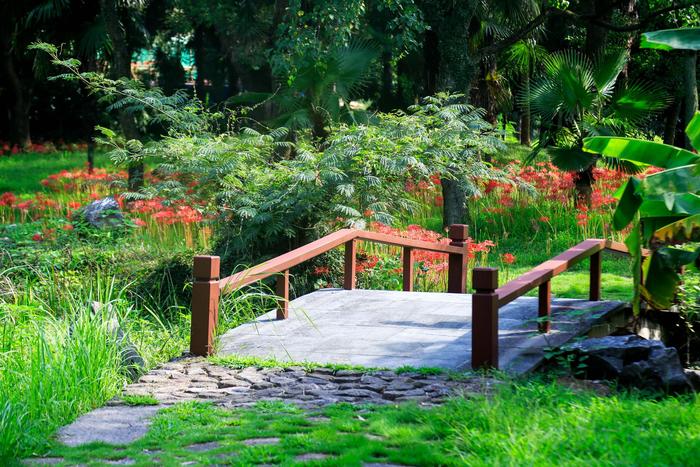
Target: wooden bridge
x,y
494,326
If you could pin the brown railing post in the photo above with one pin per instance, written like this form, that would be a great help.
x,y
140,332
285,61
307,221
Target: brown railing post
x,y
596,273
282,291
205,304
485,318
350,261
544,307
457,263
407,269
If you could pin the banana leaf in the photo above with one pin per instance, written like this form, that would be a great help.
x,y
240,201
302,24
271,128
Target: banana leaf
x,y
682,231
680,180
640,151
672,39
693,131
662,275
628,205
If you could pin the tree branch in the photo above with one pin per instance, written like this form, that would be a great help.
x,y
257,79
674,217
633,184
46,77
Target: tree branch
x,y
536,22
637,26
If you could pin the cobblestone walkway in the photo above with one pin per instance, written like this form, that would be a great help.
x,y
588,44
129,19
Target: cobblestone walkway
x,y
196,379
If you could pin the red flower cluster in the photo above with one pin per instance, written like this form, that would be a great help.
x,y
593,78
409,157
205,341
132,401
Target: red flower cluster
x,y
8,199
508,258
78,180
555,185
38,204
432,261
167,213
41,148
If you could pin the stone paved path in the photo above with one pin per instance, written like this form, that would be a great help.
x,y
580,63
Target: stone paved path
x,y
197,379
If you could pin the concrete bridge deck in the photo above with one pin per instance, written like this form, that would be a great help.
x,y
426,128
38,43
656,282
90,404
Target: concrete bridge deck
x,y
391,329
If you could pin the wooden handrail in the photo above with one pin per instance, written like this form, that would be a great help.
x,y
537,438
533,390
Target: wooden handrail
x,y
488,297
322,245
207,286
288,260
547,270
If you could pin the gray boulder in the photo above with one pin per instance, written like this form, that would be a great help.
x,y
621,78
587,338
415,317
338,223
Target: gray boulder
x,y
633,361
103,213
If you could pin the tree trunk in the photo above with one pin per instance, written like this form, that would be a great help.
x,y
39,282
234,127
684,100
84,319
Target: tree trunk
x,y
386,100
91,155
671,122
454,203
690,85
596,36
121,68
431,52
583,182
526,120
16,88
199,59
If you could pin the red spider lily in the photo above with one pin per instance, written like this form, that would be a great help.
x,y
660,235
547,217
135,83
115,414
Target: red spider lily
x,y
74,205
37,237
508,258
544,219
320,270
68,227
24,205
7,199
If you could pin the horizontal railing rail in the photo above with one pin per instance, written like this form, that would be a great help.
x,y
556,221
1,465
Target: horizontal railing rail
x,y
488,297
208,286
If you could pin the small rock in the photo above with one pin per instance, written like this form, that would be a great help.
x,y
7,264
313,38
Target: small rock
x,y
260,441
122,461
201,447
43,460
312,456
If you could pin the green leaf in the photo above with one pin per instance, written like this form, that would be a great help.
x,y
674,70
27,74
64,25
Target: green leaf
x,y
682,231
672,39
606,70
693,131
629,204
634,246
662,276
570,159
638,100
670,205
680,180
682,203
106,132
640,151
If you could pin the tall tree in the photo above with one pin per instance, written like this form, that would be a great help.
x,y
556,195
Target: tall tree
x,y
16,66
120,67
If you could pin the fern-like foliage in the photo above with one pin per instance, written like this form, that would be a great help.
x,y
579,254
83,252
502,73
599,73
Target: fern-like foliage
x,y
577,97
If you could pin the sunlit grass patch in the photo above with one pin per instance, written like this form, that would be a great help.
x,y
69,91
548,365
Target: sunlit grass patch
x,y
528,423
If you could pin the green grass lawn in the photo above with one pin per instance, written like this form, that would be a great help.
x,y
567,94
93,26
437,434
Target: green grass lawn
x,y
22,173
526,423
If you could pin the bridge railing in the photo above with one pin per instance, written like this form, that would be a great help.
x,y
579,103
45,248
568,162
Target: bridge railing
x,y
488,297
486,300
208,286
